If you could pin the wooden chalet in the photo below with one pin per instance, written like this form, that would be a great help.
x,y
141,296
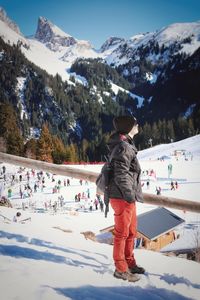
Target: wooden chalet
x,y
155,229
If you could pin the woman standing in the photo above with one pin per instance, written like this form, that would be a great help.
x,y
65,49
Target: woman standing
x,y
124,191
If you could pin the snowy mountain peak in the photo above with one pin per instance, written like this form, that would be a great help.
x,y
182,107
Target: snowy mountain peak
x,y
137,37
4,18
176,38
112,42
81,49
178,32
53,36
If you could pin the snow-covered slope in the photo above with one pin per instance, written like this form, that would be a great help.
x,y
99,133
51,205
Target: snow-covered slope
x,y
52,49
10,36
58,41
116,89
173,33
110,45
189,145
66,49
51,264
48,257
46,59
178,32
186,35
8,22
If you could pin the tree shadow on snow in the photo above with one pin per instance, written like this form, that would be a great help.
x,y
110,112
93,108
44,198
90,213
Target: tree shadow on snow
x,y
173,279
23,239
18,252
119,293
23,252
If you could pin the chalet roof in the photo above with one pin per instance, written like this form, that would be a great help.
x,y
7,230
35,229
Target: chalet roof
x,y
156,222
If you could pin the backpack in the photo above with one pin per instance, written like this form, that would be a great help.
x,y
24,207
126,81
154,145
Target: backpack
x,y
102,183
103,180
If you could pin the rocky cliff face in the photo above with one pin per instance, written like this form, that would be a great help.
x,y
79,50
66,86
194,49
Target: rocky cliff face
x,y
11,24
54,38
112,42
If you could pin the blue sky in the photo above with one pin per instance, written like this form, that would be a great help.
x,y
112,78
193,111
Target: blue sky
x,y
97,20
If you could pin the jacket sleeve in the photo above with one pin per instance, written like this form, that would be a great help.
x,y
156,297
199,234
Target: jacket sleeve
x,y
123,178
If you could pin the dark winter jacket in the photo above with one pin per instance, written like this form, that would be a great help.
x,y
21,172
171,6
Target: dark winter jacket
x,y
125,179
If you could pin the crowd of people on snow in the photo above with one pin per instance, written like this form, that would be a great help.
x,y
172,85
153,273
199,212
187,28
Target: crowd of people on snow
x,y
30,182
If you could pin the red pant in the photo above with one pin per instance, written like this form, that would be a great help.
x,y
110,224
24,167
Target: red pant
x,y
124,233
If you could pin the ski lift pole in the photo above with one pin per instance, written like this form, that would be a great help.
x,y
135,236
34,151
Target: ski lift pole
x,y
65,170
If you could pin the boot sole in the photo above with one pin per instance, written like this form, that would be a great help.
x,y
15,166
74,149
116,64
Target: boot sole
x,y
119,277
133,280
128,278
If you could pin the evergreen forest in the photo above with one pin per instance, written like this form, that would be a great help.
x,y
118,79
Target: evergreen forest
x,y
45,118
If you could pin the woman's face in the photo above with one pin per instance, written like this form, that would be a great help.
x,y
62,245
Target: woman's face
x,y
134,131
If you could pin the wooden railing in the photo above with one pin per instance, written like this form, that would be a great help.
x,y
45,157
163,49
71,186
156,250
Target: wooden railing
x,y
66,170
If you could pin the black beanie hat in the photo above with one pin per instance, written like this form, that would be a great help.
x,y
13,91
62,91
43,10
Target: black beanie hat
x,y
124,124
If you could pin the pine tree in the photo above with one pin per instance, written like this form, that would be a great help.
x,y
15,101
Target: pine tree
x,y
15,143
84,149
162,128
71,153
170,132
9,130
101,152
74,152
191,130
68,154
181,128
147,134
3,147
45,145
58,152
155,134
30,149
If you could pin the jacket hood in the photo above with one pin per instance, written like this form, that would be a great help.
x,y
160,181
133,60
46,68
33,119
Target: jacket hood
x,y
117,138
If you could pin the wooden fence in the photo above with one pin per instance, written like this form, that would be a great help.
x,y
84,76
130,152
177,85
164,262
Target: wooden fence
x,y
66,170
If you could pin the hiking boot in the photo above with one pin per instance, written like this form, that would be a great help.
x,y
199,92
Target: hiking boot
x,y
126,276
137,270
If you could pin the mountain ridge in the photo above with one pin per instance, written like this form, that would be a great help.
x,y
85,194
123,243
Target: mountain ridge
x,y
4,18
149,75
53,37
